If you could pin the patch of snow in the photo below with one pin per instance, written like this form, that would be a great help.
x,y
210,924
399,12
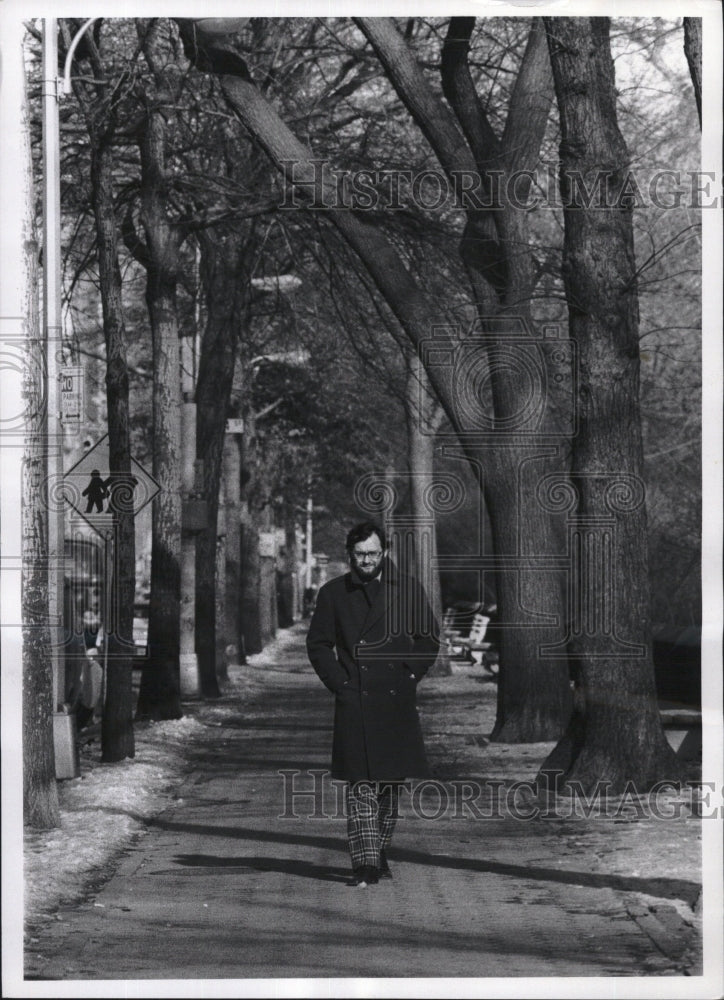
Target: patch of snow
x,y
269,656
102,811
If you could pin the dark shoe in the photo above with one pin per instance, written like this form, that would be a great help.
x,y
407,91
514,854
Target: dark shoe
x,y
384,871
362,877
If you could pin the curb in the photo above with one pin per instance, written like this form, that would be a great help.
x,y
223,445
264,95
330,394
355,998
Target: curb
x,y
667,929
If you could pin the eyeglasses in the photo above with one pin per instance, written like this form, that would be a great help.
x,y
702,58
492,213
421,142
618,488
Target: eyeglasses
x,y
364,556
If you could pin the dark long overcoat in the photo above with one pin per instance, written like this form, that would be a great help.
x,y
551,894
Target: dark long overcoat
x,y
371,657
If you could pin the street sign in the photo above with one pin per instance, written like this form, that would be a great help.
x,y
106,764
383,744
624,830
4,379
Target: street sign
x,y
96,495
71,395
235,425
267,544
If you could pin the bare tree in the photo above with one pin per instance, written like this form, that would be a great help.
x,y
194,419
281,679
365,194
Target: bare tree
x,y
616,734
99,102
40,792
542,716
159,696
533,699
225,283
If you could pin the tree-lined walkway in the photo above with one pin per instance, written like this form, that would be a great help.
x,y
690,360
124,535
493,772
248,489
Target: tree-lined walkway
x,y
225,886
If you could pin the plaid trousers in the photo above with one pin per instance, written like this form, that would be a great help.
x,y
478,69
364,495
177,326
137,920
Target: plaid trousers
x,y
371,817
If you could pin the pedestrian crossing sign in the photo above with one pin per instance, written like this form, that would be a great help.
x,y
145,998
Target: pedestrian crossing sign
x,y
98,495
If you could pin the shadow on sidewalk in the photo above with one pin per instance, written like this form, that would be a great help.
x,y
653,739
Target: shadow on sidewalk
x,y
304,869
664,888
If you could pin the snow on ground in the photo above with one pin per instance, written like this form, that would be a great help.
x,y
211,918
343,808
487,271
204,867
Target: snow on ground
x,y
109,805
101,812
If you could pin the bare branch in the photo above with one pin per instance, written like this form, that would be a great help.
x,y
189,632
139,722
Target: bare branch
x,y
130,368
266,410
692,50
530,104
459,89
135,245
435,121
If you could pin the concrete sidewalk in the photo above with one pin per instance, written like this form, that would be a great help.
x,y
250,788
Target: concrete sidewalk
x,y
225,885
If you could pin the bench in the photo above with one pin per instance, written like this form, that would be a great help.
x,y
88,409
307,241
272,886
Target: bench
x,y
473,645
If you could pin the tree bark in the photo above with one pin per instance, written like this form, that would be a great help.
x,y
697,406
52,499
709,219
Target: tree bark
x,y
159,695
250,587
290,561
222,662
692,50
424,415
117,739
252,494
40,792
221,275
617,736
268,618
232,486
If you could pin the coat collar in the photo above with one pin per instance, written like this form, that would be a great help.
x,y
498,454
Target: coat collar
x,y
389,578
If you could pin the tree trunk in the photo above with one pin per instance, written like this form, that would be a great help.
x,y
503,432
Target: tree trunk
x,y
221,275
618,736
40,791
232,486
423,417
159,695
692,50
534,698
117,739
292,560
222,662
267,581
287,569
250,590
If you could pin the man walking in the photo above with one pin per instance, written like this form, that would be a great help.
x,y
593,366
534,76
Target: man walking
x,y
371,640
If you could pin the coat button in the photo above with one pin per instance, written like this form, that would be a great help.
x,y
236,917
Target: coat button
x,y
365,693
363,642
392,691
364,666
